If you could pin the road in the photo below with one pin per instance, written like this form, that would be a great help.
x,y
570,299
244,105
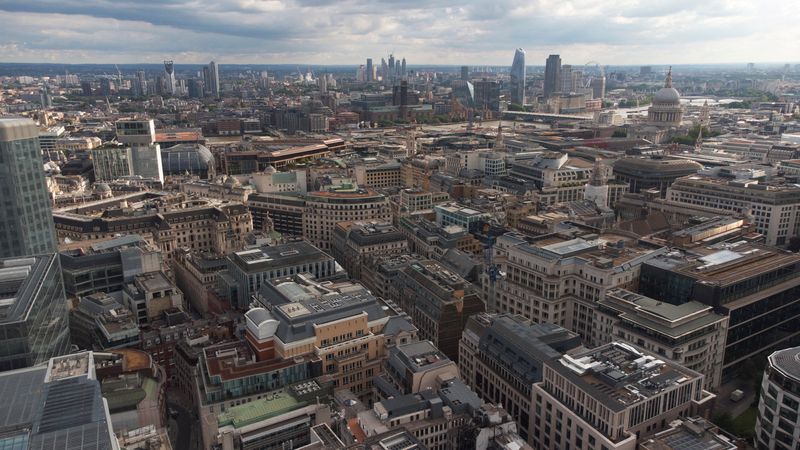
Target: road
x,y
182,435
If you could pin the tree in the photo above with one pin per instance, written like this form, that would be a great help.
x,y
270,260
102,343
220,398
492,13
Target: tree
x,y
515,107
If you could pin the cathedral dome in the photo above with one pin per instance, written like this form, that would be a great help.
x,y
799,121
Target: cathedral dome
x,y
667,96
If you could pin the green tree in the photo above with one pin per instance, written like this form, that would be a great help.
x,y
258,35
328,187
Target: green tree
x,y
515,107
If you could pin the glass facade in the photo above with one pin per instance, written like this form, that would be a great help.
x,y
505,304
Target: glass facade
x,y
35,328
26,225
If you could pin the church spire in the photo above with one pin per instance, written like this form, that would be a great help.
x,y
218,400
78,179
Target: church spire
x,y
668,82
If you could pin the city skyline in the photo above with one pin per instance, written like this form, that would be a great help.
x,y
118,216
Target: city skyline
x,y
320,32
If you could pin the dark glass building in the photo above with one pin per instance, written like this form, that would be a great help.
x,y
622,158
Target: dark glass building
x,y
33,311
757,287
26,225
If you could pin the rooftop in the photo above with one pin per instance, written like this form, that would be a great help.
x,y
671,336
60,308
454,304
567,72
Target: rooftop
x,y
787,361
420,356
279,256
299,303
154,281
619,375
69,366
273,404
728,264
19,281
233,360
664,318
689,434
606,250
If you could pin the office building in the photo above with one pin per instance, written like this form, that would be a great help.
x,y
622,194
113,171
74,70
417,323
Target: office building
x,y
145,154
438,301
430,240
437,418
355,243
642,174
690,433
169,78
150,295
100,322
108,265
280,419
487,95
552,76
773,205
414,367
112,162
517,85
58,405
345,202
690,334
370,71
213,79
283,212
340,325
501,356
755,286
33,311
559,277
611,397
251,269
26,225
459,215
778,423
465,73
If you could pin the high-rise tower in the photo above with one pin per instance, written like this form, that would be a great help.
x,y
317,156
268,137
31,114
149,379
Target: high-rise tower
x,y
370,76
552,75
169,70
145,153
26,225
213,73
518,77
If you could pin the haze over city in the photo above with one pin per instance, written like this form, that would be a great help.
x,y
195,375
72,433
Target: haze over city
x,y
426,32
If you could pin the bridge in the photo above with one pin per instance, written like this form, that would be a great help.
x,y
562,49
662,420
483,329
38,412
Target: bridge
x,y
523,116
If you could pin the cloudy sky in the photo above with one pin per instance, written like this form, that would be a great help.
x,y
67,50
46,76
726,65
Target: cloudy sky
x,y
424,31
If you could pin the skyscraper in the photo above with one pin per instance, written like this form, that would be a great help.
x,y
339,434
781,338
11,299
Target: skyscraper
x,y
213,72
169,71
145,153
391,67
465,73
566,79
34,322
403,68
140,84
26,225
518,77
552,75
370,76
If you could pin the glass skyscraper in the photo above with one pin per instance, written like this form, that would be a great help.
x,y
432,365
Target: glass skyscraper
x,y
34,323
552,75
518,77
26,222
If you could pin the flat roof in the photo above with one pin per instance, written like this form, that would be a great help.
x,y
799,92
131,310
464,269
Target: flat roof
x,y
270,405
620,375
